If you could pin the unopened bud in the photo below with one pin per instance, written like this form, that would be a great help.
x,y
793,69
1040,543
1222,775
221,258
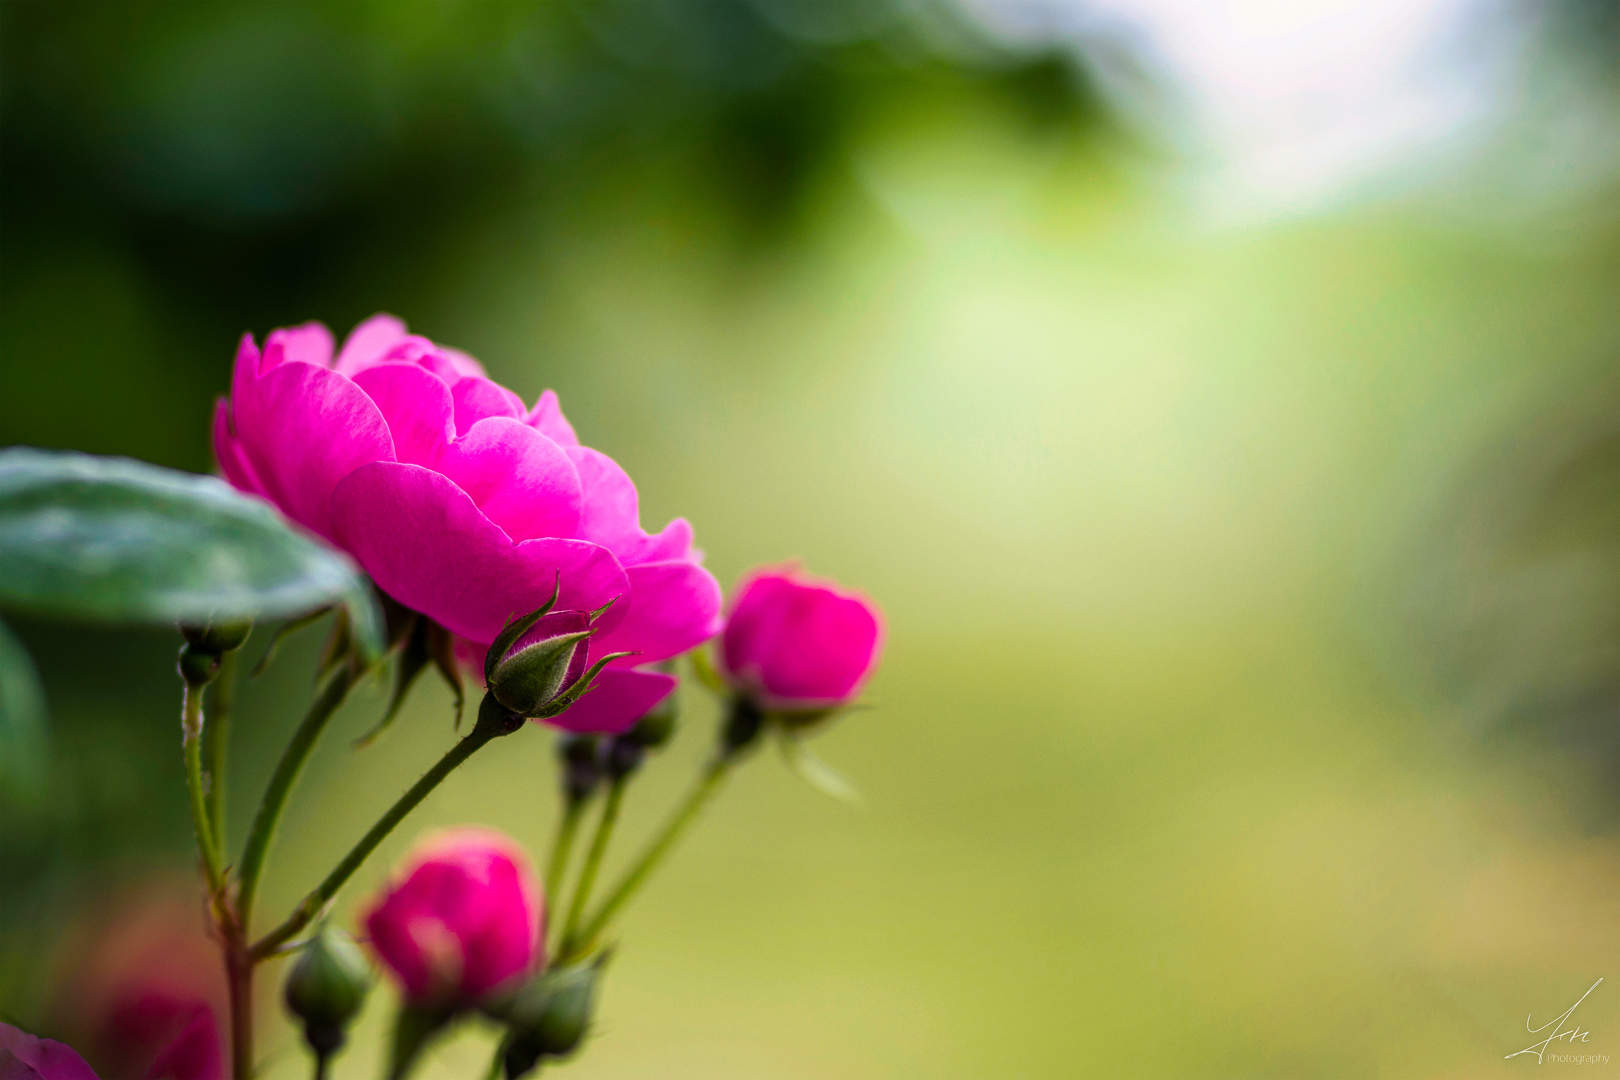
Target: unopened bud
x,y
217,638
624,757
742,726
197,667
549,1016
329,983
530,678
581,760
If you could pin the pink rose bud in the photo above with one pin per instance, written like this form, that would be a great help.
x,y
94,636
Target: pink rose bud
x,y
461,502
799,645
462,921
23,1057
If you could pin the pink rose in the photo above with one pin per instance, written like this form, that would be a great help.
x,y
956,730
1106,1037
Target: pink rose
x,y
797,644
142,989
463,920
23,1057
460,502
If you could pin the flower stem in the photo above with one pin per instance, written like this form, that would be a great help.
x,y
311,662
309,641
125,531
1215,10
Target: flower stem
x,y
702,792
215,740
312,904
239,980
562,845
281,785
191,725
593,860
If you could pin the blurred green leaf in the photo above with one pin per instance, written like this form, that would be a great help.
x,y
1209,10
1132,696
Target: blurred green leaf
x,y
23,755
116,540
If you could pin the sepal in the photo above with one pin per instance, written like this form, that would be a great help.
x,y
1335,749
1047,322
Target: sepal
x,y
516,629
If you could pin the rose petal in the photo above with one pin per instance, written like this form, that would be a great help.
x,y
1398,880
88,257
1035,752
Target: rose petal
x,y
613,704
417,406
520,479
478,399
463,364
547,418
426,544
673,606
304,428
310,343
233,463
367,343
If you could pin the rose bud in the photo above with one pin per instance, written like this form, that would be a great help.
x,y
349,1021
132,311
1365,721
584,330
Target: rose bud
x,y
796,646
462,921
327,987
463,503
24,1057
217,638
550,1016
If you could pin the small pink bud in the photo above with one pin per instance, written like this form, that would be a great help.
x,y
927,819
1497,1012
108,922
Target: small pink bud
x,y
462,920
797,644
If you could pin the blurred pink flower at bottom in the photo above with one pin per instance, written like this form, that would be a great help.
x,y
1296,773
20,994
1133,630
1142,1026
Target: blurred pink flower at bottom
x,y
25,1057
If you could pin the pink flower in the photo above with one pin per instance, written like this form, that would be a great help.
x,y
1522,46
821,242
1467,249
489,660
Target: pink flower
x,y
23,1057
462,921
143,989
798,644
460,502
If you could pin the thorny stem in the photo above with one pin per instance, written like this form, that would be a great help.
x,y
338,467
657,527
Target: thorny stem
x,y
191,725
312,904
215,741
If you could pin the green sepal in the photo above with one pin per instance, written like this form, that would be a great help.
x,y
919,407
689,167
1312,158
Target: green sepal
x,y
287,629
339,647
704,670
581,684
529,680
812,770
549,1017
330,980
516,629
441,646
413,657
599,612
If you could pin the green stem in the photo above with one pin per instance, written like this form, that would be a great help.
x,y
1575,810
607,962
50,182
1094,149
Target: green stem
x,y
593,860
281,785
312,904
215,740
707,785
562,845
191,726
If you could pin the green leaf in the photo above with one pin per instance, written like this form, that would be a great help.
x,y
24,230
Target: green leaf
x,y
23,755
116,540
813,771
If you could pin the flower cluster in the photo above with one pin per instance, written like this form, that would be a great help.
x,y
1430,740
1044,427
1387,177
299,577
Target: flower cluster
x,y
501,546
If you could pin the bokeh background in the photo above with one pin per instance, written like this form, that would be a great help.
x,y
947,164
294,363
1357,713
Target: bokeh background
x,y
1220,399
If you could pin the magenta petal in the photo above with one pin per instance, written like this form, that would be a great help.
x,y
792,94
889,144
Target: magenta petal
x,y
233,463
799,641
194,1054
478,399
367,343
674,606
675,542
609,515
305,428
547,418
465,366
426,544
417,406
246,369
43,1058
310,343
613,704
520,479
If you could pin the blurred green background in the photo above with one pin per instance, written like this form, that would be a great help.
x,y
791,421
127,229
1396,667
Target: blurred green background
x,y
1252,698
